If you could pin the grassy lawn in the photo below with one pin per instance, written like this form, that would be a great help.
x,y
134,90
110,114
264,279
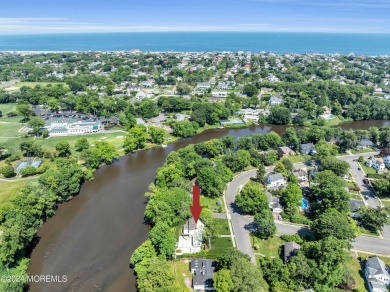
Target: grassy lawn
x,y
357,273
365,231
355,196
115,139
363,256
223,226
351,184
219,246
18,85
297,158
7,107
8,189
181,270
211,203
386,203
10,129
362,150
270,248
367,169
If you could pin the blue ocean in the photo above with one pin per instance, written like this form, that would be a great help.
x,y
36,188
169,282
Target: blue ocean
x,y
367,44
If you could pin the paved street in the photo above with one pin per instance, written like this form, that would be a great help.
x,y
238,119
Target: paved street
x,y
366,190
239,222
242,225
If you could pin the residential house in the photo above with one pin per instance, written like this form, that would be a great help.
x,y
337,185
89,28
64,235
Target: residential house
x,y
275,100
204,85
139,121
386,160
354,207
190,241
203,271
290,250
285,151
307,149
274,204
376,274
219,93
182,117
365,143
377,163
275,180
249,114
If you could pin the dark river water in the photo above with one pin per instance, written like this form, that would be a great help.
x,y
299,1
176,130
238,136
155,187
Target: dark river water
x,y
91,238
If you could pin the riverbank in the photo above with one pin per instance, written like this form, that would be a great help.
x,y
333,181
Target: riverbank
x,y
91,237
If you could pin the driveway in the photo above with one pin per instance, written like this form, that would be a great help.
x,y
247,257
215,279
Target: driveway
x,y
366,190
242,225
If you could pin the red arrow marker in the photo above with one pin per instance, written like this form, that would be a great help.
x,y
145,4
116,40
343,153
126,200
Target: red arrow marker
x,y
196,208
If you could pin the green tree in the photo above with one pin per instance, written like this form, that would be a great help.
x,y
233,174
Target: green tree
x,y
163,239
337,166
333,223
252,199
288,165
157,135
266,224
146,250
8,171
246,277
328,192
279,115
325,150
105,152
24,110
374,219
291,199
155,274
222,281
36,123
279,167
81,144
185,128
139,132
63,149
260,173
129,144
250,90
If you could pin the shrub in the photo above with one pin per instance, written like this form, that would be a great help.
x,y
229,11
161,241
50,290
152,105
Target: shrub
x,y
295,237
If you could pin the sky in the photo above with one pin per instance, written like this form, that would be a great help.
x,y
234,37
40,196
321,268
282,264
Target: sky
x,y
82,16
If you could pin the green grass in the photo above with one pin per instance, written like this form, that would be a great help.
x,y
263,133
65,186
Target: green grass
x,y
17,86
181,270
365,231
297,158
8,189
386,203
270,248
355,196
7,107
364,256
219,246
367,169
10,129
362,150
223,226
357,273
211,203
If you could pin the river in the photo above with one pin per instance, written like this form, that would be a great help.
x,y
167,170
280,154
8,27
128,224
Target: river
x,y
91,237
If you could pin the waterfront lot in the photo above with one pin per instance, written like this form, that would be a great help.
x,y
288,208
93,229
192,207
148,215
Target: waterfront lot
x,y
10,188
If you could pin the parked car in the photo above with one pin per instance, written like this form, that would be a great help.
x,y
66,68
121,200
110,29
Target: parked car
x,y
366,181
366,197
359,168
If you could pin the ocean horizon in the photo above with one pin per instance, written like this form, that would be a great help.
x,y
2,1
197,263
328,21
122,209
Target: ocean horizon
x,y
276,42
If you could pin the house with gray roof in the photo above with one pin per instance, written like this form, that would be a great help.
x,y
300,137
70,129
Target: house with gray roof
x,y
275,100
275,180
203,272
290,250
365,143
376,275
307,149
274,203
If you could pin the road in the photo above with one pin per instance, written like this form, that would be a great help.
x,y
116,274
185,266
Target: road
x,y
242,225
239,222
359,175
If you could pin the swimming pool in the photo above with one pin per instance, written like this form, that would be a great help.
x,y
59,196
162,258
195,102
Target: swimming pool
x,y
304,204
